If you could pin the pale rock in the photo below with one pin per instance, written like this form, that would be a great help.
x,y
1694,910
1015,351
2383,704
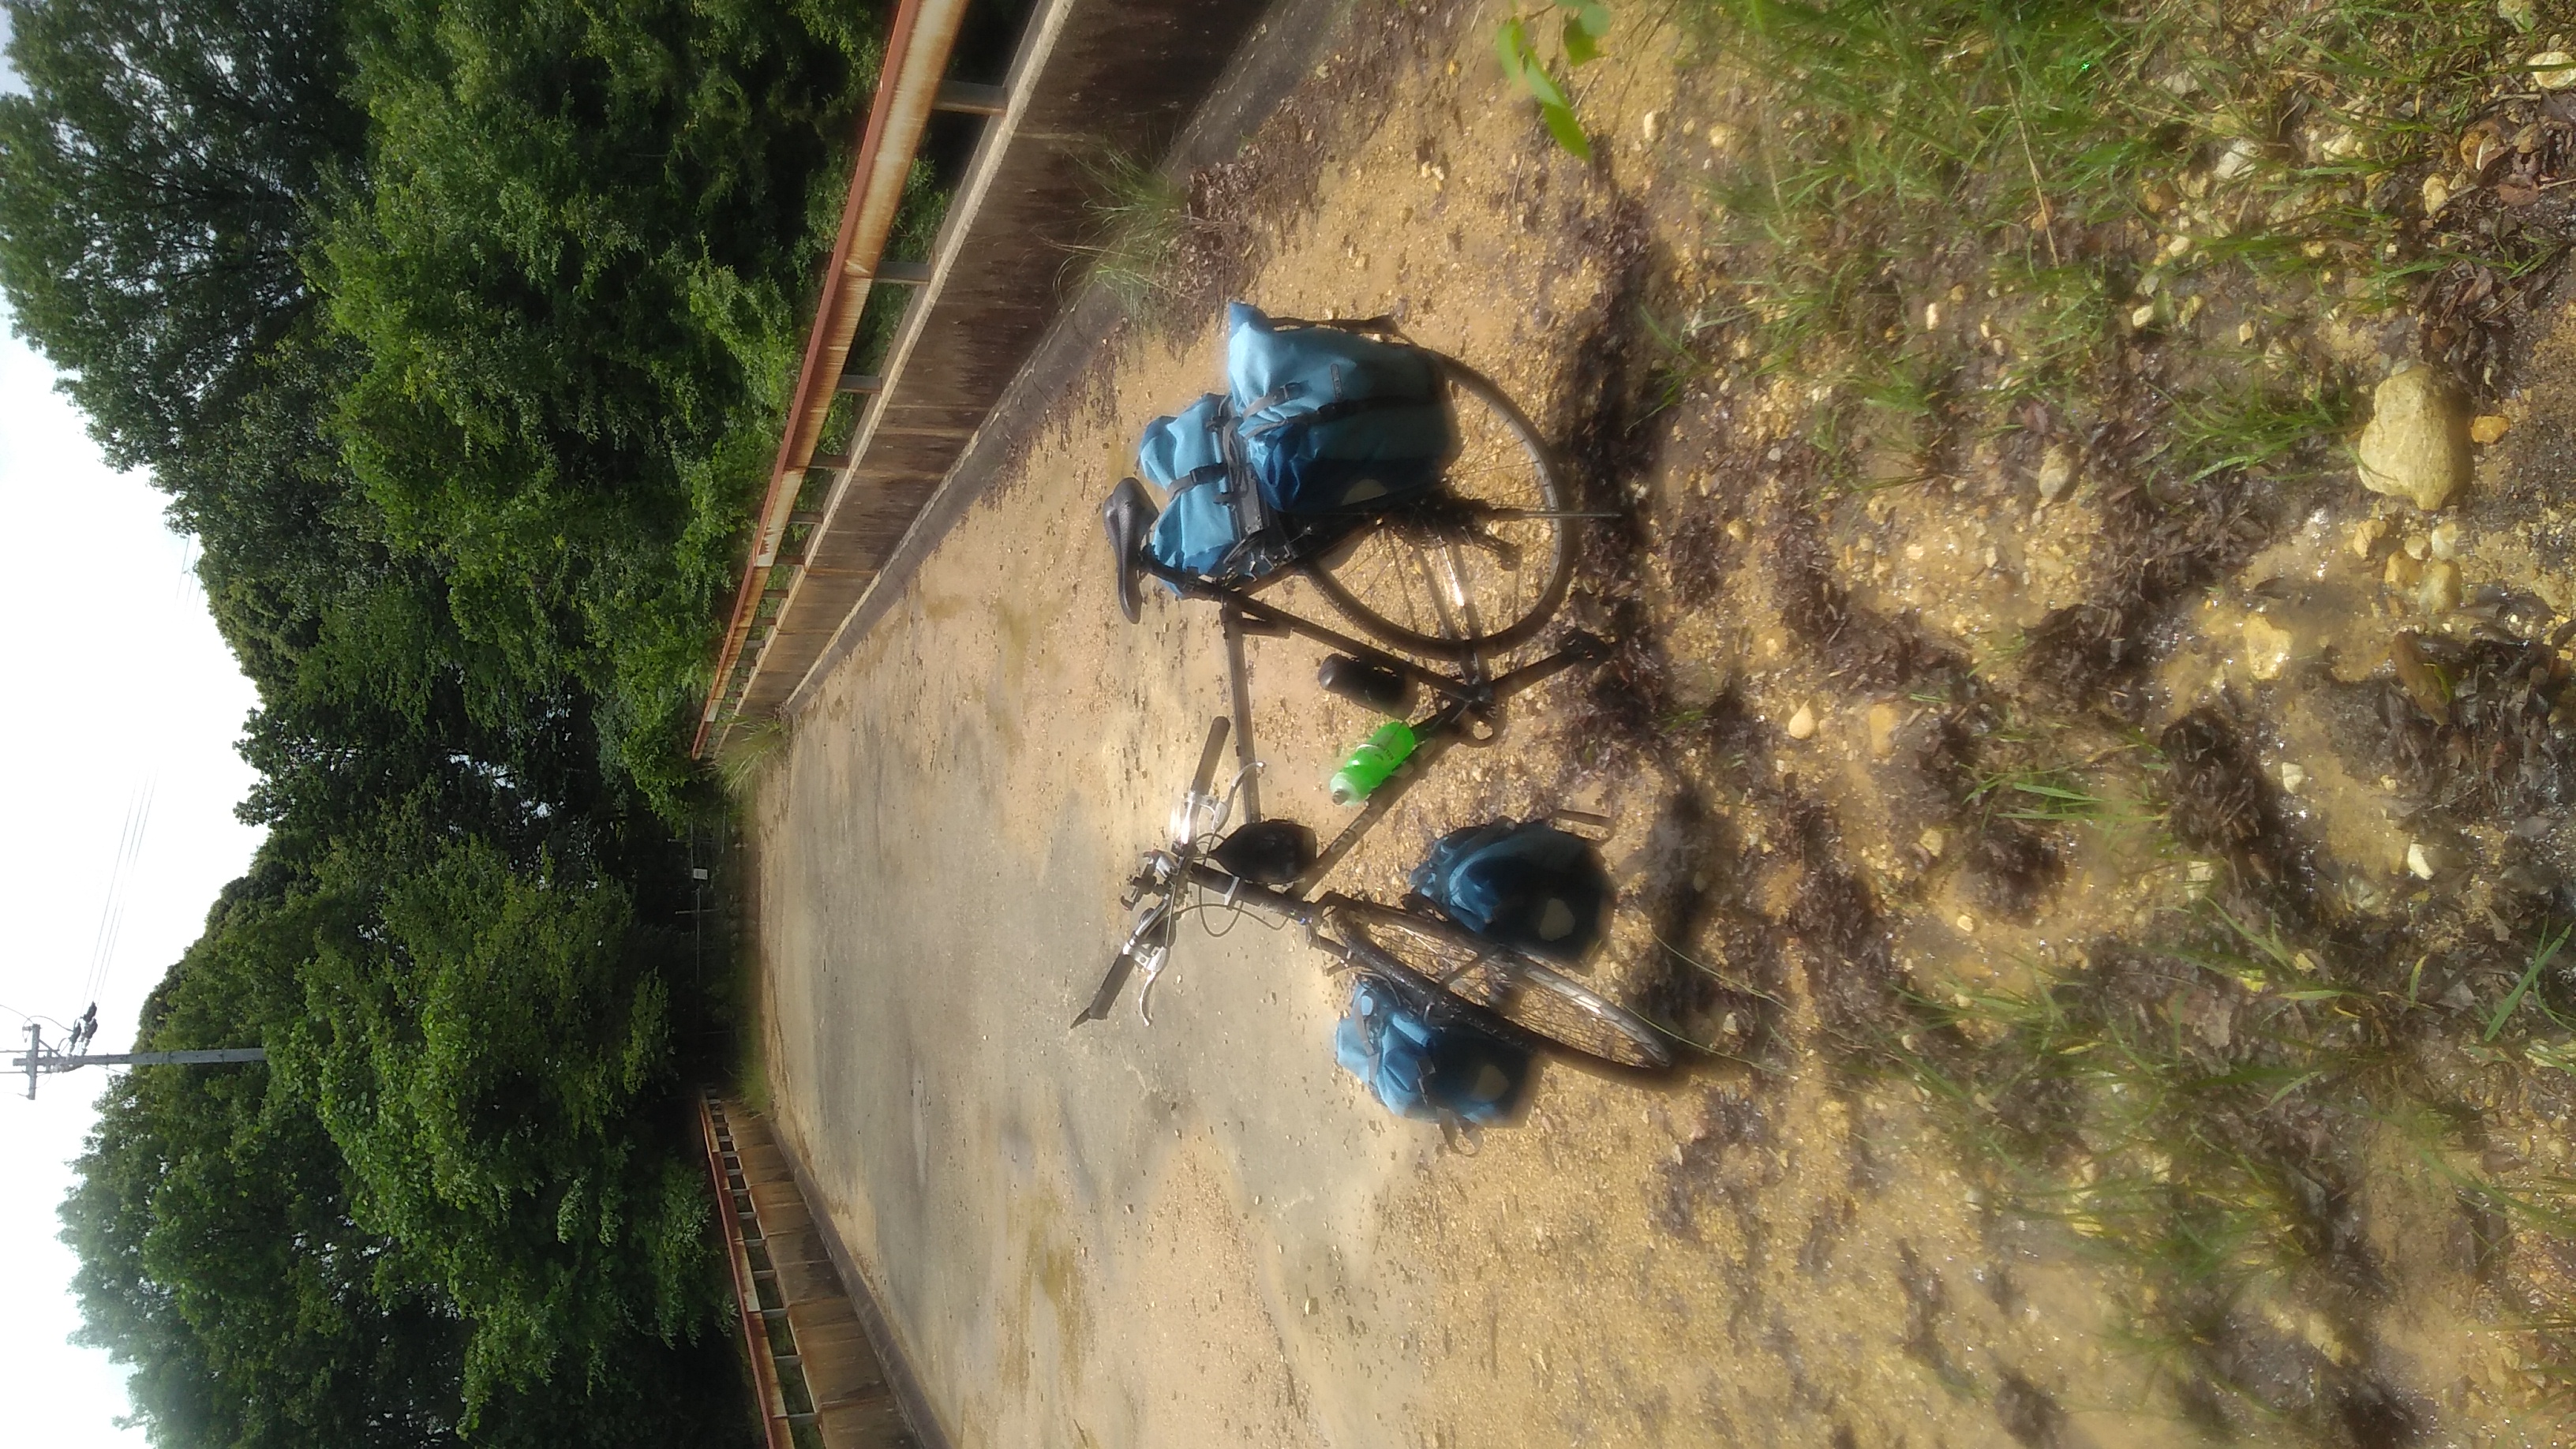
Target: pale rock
x,y
2417,546
2444,541
2437,193
2292,777
2366,536
1882,731
2419,862
2267,648
1652,123
2239,159
2334,143
1967,925
2056,472
2553,70
1802,725
2490,429
2142,316
2402,574
1931,841
2517,13
2415,446
2439,593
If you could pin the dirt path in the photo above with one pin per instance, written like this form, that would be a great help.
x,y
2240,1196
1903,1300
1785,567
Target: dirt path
x,y
1199,1232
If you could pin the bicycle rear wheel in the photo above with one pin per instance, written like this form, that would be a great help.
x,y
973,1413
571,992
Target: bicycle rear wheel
x,y
1531,999
1483,562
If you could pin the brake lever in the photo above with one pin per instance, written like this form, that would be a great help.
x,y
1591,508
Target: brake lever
x,y
1148,944
1153,959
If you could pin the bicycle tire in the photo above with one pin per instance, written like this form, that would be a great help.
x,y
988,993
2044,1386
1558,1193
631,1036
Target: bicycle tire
x,y
1391,576
1533,1002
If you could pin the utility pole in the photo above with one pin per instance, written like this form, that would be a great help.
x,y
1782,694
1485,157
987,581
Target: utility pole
x,y
44,1060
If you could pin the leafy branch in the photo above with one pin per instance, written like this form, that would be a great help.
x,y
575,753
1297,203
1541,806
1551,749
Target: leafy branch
x,y
1582,24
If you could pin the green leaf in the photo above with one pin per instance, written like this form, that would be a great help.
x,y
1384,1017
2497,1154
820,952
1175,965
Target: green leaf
x,y
1579,46
1594,17
1567,130
1546,91
1511,47
2539,962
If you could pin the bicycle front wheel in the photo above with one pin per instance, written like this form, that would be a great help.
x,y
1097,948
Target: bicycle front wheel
x,y
1532,998
1482,563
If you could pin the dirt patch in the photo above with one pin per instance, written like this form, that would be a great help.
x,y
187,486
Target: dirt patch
x,y
2107,989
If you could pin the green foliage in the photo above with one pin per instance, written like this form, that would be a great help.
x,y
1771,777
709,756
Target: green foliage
x,y
459,334
1581,25
2074,180
160,181
261,1285
477,1039
1140,216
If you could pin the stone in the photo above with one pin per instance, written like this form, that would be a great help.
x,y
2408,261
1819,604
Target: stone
x,y
2402,574
2292,777
2267,648
1882,730
2416,446
1802,725
2419,861
2444,541
2437,194
2240,157
1931,841
2439,592
2490,429
2056,472
2365,538
2553,70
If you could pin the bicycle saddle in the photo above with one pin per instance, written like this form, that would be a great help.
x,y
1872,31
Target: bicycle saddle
x,y
1128,515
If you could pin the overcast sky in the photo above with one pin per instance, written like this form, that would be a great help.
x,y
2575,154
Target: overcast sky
x,y
124,709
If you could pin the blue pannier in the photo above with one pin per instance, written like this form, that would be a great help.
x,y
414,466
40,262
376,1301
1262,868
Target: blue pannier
x,y
1198,529
1330,420
1523,883
1420,1070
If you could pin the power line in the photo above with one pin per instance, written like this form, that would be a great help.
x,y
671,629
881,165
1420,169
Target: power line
x,y
111,915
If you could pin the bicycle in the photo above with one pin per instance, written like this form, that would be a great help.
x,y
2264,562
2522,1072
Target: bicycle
x,y
1444,971
1476,565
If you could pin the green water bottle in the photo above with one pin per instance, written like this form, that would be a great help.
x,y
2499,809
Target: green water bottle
x,y
1381,755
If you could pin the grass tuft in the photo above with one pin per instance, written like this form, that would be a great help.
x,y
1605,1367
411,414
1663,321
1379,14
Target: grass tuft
x,y
1140,217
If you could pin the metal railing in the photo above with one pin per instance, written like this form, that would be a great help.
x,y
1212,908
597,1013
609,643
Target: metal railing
x,y
909,88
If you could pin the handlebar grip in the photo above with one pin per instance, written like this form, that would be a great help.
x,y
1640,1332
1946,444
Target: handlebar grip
x,y
1210,757
1120,967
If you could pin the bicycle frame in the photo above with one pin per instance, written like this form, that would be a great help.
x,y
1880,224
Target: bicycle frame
x,y
1167,874
1469,694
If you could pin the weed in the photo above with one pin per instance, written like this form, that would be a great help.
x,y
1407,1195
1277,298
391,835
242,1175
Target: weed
x,y
1140,217
2055,796
1582,24
2243,431
2541,956
748,749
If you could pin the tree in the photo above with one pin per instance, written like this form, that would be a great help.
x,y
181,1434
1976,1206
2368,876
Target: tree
x,y
159,185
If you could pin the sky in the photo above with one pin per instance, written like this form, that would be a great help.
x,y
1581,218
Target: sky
x,y
127,698
120,748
